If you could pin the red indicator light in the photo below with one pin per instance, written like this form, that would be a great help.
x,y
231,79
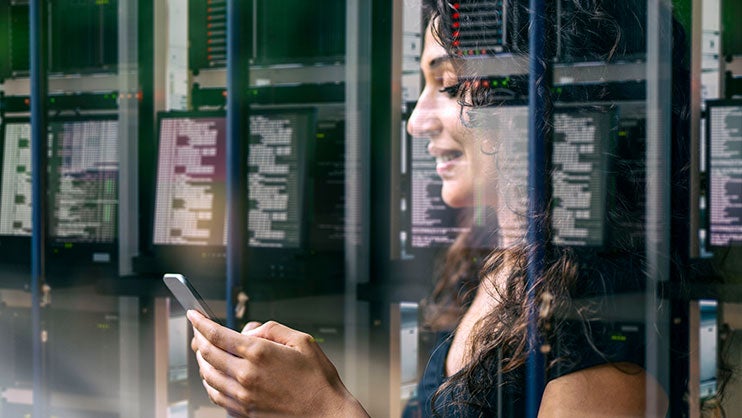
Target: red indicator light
x,y
456,43
456,6
456,34
456,25
27,101
486,83
455,15
484,52
224,93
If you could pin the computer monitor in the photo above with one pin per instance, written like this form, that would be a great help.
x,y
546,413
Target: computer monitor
x,y
190,193
304,171
724,177
582,140
584,137
82,194
15,193
83,197
294,194
15,198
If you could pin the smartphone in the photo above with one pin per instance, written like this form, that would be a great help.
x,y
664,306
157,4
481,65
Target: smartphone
x,y
186,295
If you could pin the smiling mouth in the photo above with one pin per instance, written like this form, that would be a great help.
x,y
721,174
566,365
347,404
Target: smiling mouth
x,y
448,156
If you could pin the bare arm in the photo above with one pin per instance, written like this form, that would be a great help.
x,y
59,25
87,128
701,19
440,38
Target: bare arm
x,y
602,391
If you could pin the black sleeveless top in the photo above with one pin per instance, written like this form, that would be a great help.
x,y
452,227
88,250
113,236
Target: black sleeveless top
x,y
610,343
578,344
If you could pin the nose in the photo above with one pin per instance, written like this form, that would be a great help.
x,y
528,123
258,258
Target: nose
x,y
424,120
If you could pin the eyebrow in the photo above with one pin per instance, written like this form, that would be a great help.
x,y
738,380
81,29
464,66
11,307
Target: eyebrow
x,y
437,61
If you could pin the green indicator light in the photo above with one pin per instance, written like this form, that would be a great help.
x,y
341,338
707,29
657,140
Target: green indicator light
x,y
623,133
67,245
320,136
52,100
618,337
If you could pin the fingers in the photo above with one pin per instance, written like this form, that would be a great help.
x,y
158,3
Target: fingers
x,y
233,407
222,337
284,335
221,382
214,357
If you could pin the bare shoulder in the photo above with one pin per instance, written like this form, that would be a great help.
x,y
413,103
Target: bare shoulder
x,y
608,390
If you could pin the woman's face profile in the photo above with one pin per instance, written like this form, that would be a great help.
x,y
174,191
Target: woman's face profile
x,y
466,171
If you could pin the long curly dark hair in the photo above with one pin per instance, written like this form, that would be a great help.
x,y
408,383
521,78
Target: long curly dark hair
x,y
500,340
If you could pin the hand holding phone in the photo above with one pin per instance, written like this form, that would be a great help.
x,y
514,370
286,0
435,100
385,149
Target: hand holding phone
x,y
187,295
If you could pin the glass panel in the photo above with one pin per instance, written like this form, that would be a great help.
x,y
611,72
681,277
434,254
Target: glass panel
x,y
384,208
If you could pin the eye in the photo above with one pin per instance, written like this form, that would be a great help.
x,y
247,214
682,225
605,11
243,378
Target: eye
x,y
453,91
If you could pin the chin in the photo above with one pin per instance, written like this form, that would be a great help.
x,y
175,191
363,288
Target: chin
x,y
456,201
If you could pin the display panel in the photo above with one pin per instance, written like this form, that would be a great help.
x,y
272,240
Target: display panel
x,y
191,177
83,179
15,192
583,138
15,201
286,155
276,171
82,191
724,172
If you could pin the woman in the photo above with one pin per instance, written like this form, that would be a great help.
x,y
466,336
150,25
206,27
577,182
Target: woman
x,y
481,310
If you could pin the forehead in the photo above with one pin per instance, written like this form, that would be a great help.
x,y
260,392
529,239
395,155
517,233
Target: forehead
x,y
433,52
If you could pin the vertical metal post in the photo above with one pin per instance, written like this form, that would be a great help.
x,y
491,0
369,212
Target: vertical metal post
x,y
538,91
128,129
239,30
38,50
658,182
357,133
